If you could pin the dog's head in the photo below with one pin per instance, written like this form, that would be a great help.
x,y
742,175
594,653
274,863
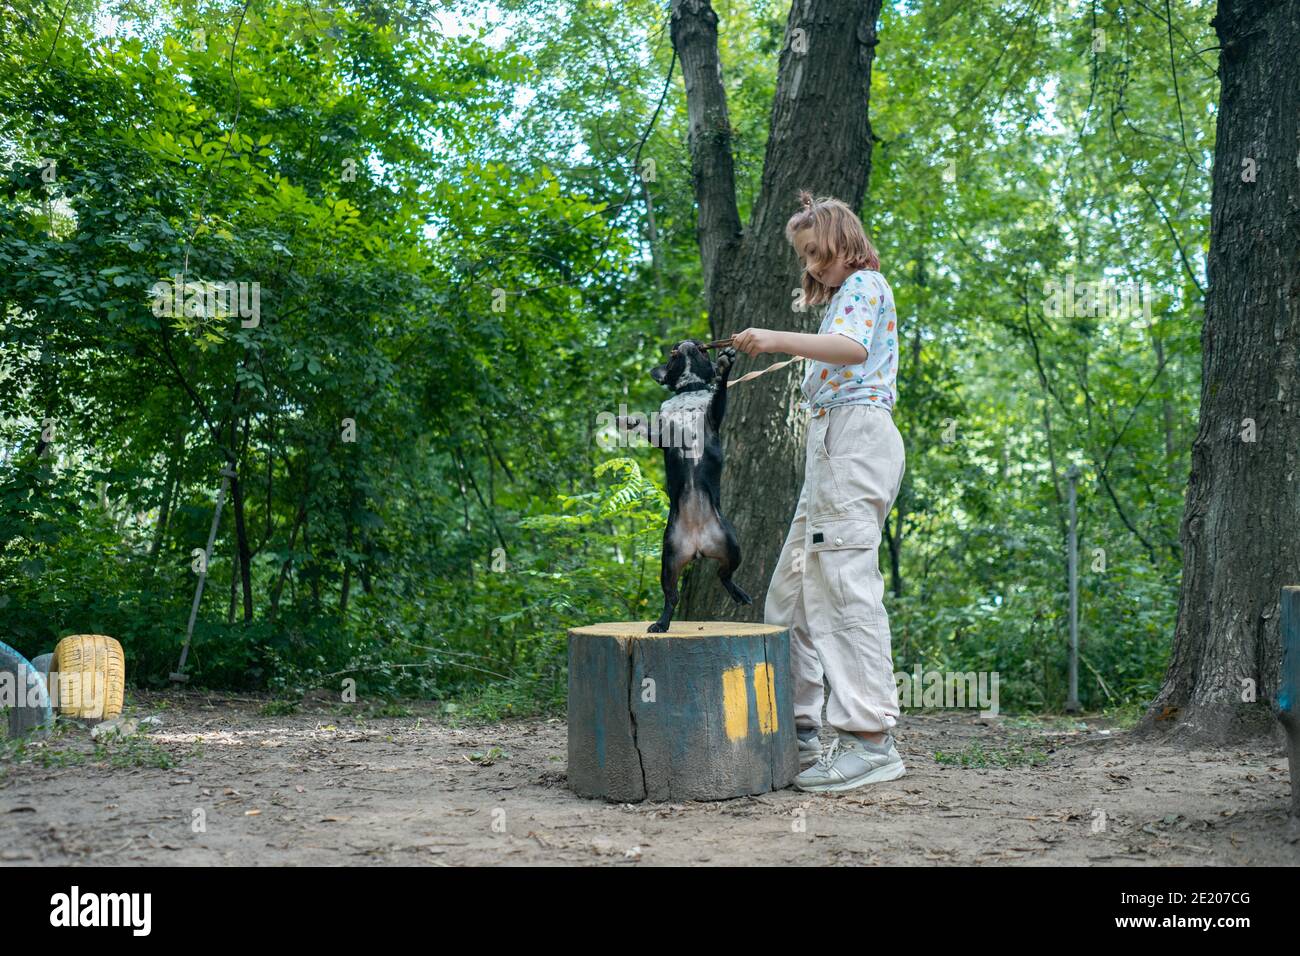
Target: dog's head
x,y
689,366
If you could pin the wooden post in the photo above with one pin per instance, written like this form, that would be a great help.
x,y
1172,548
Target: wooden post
x,y
1288,693
702,712
179,676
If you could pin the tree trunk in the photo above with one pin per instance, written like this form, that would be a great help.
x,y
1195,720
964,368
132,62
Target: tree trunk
x,y
345,588
234,586
245,553
170,487
241,525
309,568
1166,407
820,139
1242,517
285,567
367,585
894,542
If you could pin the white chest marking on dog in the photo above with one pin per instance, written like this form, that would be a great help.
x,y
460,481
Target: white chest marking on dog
x,y
681,421
687,404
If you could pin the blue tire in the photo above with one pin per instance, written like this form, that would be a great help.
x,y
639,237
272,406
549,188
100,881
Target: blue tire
x,y
23,695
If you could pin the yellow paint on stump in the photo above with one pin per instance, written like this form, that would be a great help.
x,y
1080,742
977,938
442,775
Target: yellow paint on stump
x,y
765,697
735,703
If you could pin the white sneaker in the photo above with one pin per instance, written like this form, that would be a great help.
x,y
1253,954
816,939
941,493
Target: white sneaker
x,y
810,747
848,764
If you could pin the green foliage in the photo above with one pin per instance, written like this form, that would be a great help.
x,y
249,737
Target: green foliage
x,y
279,708
459,273
133,750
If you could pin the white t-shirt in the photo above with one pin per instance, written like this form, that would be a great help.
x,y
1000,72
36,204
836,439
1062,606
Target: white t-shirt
x,y
863,310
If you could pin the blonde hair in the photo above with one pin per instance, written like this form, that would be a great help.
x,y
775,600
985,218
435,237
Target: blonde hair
x,y
837,233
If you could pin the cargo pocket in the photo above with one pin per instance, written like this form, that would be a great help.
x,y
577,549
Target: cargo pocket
x,y
822,478
850,458
847,547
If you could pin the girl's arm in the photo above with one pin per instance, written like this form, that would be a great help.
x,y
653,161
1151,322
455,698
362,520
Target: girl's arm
x,y
831,348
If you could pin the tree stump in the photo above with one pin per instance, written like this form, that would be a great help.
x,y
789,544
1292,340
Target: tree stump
x,y
702,712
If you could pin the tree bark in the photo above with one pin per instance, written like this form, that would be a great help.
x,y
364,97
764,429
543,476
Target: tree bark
x,y
820,139
1242,515
695,38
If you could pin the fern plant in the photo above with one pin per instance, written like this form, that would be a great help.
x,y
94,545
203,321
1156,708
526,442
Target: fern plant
x,y
607,542
632,496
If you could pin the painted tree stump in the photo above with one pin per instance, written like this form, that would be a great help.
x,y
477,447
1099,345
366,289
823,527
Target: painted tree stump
x,y
702,712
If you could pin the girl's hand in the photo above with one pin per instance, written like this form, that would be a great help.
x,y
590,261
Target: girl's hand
x,y
756,341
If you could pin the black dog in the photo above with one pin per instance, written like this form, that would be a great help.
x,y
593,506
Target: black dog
x,y
688,432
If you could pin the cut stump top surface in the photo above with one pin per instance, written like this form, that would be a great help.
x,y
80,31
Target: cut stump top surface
x,y
676,629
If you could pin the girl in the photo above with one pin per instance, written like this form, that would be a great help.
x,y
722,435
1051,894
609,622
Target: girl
x,y
827,587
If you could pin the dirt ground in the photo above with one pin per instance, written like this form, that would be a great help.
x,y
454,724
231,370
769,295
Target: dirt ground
x,y
218,781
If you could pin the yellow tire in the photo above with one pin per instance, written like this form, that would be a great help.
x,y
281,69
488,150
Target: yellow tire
x,y
91,673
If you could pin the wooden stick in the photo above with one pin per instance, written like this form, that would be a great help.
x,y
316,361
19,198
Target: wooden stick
x,y
720,343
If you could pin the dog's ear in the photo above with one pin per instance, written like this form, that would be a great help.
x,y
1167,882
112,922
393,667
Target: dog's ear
x,y
659,373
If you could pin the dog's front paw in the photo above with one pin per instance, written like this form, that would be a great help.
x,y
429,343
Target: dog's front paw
x,y
633,425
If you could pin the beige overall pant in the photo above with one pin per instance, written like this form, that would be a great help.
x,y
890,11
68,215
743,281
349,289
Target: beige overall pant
x,y
827,587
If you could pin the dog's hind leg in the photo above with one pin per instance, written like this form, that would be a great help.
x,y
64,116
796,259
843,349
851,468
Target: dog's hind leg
x,y
728,561
674,562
